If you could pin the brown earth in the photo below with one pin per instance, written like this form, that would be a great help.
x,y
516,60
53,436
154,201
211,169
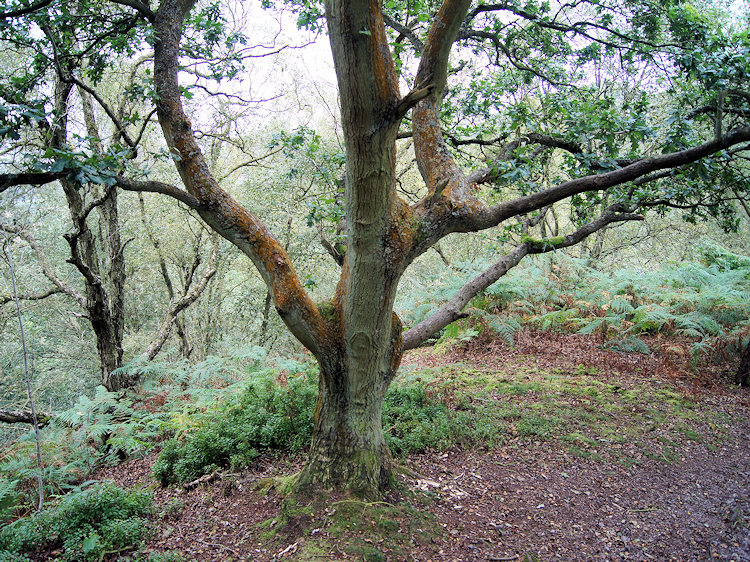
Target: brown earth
x,y
526,500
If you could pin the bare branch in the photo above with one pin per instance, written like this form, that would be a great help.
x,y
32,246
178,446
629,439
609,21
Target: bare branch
x,y
150,186
178,305
4,299
108,110
49,273
404,31
29,178
495,215
413,98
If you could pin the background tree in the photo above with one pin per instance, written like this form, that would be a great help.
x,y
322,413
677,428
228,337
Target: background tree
x,y
546,134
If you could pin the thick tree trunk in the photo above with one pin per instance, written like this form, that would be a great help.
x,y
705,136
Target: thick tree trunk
x,y
348,450
743,373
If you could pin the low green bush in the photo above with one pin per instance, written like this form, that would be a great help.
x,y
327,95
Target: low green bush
x,y
273,416
417,417
413,422
86,525
269,414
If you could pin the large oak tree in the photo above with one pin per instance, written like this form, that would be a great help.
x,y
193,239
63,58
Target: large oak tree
x,y
618,163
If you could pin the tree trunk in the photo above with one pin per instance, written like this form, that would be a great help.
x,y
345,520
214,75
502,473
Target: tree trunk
x,y
743,373
348,450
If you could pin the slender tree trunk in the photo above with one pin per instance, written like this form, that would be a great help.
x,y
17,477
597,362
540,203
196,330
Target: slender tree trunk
x,y
266,317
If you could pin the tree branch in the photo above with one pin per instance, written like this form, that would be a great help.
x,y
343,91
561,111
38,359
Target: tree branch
x,y
215,206
29,178
436,164
49,273
149,186
4,299
108,110
27,10
489,217
176,306
451,311
24,416
141,7
405,31
413,98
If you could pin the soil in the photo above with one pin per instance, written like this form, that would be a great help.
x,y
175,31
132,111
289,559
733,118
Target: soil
x,y
527,500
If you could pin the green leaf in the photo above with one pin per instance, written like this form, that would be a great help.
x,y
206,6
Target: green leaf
x,y
90,543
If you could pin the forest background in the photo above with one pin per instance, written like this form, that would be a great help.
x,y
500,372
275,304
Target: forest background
x,y
174,306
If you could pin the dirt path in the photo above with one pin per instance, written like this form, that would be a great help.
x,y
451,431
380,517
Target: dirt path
x,y
541,502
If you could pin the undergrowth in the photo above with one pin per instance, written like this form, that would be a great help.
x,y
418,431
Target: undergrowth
x,y
707,303
222,414
102,520
273,415
270,413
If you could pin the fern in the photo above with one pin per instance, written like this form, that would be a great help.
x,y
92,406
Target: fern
x,y
621,305
9,497
505,327
628,344
565,318
651,317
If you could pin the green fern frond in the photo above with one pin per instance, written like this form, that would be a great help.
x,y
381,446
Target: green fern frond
x,y
621,305
505,327
594,325
9,497
629,344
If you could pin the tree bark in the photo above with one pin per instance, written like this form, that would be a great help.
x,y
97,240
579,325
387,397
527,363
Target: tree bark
x,y
743,372
348,450
24,416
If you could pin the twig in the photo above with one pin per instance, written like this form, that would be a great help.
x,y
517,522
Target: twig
x,y
502,558
202,480
216,545
644,510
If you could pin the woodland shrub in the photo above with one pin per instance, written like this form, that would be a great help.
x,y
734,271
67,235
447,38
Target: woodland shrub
x,y
417,417
276,415
271,413
86,525
96,431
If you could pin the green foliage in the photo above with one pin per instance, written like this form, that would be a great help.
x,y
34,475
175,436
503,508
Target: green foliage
x,y
412,422
504,326
9,497
707,302
94,432
274,413
271,413
86,525
419,417
80,167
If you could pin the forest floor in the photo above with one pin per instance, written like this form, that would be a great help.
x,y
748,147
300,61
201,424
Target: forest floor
x,y
657,469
